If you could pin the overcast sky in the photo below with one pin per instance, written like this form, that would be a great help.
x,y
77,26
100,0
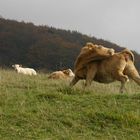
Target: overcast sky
x,y
117,21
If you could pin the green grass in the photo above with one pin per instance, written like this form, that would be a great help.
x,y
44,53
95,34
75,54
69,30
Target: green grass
x,y
35,108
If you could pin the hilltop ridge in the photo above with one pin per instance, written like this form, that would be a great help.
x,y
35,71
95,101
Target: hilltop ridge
x,y
43,47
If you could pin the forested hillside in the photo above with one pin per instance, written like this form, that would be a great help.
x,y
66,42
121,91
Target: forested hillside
x,y
43,47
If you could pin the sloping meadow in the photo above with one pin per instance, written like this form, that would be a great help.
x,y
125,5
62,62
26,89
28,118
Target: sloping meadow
x,y
37,108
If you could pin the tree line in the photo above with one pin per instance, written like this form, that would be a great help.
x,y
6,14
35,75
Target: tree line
x,y
43,47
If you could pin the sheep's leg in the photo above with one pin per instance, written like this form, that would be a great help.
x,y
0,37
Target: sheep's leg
x,y
74,81
91,72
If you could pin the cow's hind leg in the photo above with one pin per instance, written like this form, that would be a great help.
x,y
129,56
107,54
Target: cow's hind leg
x,y
123,88
123,79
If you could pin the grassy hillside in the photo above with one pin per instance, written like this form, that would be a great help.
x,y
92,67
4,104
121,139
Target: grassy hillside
x,y
35,108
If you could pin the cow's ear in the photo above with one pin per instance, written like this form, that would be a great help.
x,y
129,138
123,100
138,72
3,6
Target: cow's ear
x,y
20,65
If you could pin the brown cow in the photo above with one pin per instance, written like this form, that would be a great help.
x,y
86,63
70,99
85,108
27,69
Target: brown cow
x,y
119,67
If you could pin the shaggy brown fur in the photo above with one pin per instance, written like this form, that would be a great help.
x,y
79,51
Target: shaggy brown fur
x,y
89,53
119,67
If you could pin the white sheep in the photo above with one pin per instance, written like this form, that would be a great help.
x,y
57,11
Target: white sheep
x,y
26,71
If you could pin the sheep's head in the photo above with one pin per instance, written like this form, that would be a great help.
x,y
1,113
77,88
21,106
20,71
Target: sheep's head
x,y
16,66
68,72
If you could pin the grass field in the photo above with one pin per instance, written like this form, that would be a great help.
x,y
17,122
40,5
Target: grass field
x,y
35,108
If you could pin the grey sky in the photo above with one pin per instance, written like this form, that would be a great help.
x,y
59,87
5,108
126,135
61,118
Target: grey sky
x,y
117,21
